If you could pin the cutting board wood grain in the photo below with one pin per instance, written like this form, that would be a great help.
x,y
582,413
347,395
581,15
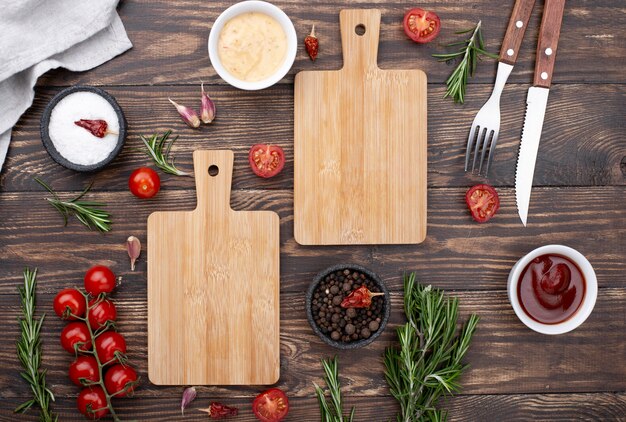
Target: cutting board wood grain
x,y
213,287
360,146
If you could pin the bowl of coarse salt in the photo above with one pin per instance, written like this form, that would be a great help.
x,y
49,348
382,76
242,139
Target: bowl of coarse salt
x,y
83,128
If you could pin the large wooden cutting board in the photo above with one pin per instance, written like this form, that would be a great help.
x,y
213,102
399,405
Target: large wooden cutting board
x,y
360,146
213,287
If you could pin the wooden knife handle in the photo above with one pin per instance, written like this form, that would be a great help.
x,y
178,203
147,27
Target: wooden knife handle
x,y
213,171
548,41
515,31
360,30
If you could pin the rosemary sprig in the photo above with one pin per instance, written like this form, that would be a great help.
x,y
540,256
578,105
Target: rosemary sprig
x,y
87,212
159,149
332,410
471,50
427,364
29,351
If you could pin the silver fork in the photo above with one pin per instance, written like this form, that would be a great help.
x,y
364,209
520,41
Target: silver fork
x,y
485,129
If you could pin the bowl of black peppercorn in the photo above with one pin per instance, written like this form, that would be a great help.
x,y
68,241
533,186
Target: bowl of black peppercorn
x,y
351,327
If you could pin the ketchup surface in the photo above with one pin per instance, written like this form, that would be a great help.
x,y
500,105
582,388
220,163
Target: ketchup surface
x,y
551,289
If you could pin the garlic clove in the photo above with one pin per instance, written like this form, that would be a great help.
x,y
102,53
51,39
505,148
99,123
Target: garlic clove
x,y
189,115
188,396
207,110
133,246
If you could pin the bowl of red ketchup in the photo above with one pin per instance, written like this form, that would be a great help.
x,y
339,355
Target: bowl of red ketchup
x,y
553,289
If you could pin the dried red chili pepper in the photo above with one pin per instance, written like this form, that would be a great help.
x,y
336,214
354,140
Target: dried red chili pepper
x,y
98,128
220,411
359,298
312,44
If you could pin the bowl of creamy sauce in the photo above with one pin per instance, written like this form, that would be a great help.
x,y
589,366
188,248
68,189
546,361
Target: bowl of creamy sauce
x,y
252,45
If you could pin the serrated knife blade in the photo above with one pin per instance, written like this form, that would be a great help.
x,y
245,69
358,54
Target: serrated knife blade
x,y
536,103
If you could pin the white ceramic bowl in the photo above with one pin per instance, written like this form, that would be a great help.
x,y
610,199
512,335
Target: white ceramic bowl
x,y
260,7
589,300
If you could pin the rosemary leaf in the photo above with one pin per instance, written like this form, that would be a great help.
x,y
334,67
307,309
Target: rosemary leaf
x,y
472,50
89,213
332,410
29,351
159,149
427,362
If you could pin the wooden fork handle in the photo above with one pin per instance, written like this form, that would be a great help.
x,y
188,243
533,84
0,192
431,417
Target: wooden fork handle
x,y
548,41
515,31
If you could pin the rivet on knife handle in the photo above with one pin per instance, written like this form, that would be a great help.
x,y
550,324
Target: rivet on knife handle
x,y
548,41
515,31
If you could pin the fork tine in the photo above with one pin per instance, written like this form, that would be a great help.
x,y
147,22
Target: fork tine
x,y
492,147
470,141
479,140
488,136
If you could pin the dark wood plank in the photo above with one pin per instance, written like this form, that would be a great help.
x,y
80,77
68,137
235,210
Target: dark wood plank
x,y
457,254
529,407
170,41
590,152
505,357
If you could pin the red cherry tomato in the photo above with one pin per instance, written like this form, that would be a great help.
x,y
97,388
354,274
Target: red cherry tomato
x,y
271,405
144,182
85,367
101,313
69,301
99,279
266,160
75,332
483,202
107,344
117,377
421,25
92,403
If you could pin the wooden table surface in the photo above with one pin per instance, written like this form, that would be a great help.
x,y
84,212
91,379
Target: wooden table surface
x,y
578,200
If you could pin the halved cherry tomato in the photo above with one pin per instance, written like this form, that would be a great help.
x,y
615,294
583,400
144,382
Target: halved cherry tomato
x,y
84,367
483,202
69,301
107,344
75,332
117,377
266,160
421,26
101,313
99,279
271,405
144,182
92,403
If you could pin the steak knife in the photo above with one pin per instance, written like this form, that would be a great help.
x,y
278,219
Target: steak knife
x,y
536,102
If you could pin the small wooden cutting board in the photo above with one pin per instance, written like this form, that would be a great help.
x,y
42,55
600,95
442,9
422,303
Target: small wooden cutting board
x,y
213,287
360,146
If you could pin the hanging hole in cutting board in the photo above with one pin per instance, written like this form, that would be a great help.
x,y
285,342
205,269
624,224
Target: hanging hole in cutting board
x,y
213,170
360,29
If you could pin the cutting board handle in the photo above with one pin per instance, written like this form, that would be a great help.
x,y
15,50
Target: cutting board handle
x,y
360,49
214,173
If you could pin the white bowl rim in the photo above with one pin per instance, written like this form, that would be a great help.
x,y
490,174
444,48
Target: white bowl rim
x,y
245,7
585,308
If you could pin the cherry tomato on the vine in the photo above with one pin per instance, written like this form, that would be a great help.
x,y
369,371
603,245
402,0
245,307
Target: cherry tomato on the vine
x,y
99,279
101,313
92,403
75,332
144,182
69,304
85,367
107,344
117,377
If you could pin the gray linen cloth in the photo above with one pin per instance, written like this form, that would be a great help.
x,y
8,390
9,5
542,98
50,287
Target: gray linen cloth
x,y
39,35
